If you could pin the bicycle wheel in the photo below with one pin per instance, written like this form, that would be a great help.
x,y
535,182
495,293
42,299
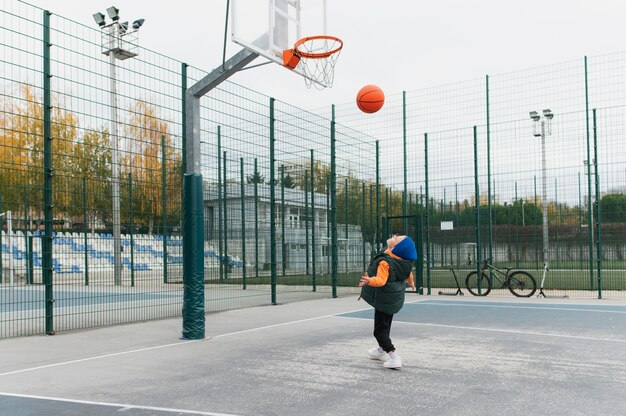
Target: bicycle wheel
x,y
471,283
522,284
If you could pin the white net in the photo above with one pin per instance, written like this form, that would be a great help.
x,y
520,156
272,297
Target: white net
x,y
318,56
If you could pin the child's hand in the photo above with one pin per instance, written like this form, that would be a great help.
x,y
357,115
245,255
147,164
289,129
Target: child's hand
x,y
365,279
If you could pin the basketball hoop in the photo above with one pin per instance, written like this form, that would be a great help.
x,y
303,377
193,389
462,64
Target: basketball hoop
x,y
316,56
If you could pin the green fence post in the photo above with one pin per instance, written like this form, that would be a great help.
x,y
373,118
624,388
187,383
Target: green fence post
x,y
164,206
536,221
225,258
589,203
557,212
47,268
345,220
516,228
580,223
256,221
307,257
426,213
132,227
477,211
598,196
29,260
404,152
378,235
283,245
272,206
489,191
313,241
85,229
220,247
363,214
243,224
333,203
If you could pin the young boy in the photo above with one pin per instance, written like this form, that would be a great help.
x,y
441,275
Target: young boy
x,y
383,287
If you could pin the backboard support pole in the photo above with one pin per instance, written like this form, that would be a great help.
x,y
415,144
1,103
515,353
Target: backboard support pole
x,y
193,201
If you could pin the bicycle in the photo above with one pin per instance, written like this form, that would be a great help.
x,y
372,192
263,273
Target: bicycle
x,y
520,283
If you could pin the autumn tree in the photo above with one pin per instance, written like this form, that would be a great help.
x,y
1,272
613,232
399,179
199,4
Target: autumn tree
x,y
143,161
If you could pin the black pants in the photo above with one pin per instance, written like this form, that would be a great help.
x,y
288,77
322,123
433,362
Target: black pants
x,y
382,328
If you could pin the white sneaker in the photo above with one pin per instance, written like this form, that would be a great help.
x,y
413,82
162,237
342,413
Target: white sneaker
x,y
378,354
393,362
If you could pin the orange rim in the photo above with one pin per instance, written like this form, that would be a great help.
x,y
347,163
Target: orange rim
x,y
317,55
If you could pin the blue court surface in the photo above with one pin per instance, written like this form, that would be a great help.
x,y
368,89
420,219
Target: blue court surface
x,y
498,356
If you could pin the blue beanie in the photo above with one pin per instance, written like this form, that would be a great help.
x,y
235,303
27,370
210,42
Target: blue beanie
x,y
405,249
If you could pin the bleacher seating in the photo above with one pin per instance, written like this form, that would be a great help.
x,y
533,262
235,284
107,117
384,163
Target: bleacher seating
x,y
69,249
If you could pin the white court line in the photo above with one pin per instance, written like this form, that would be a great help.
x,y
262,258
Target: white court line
x,y
99,357
122,407
483,305
506,331
167,345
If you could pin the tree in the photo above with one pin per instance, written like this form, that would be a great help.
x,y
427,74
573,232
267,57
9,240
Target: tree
x,y
92,162
256,177
143,159
613,208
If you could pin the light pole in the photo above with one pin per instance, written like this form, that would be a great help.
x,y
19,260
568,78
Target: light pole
x,y
118,42
541,127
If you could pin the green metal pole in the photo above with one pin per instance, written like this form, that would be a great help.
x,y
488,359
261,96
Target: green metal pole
x,y
598,196
132,231
477,209
536,224
378,236
516,230
219,204
557,213
243,222
283,245
225,224
256,221
427,214
164,206
489,192
272,206
333,202
456,198
85,229
183,124
580,223
306,222
345,219
313,240
363,214
589,204
404,152
47,267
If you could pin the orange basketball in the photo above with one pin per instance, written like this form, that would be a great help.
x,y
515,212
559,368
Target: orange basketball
x,y
370,99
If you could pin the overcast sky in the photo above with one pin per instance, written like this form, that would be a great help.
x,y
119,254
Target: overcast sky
x,y
399,45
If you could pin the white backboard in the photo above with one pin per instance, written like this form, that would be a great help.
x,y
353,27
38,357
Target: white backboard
x,y
268,27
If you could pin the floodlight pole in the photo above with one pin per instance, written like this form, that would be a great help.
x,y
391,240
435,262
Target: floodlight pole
x,y
115,174
115,47
544,124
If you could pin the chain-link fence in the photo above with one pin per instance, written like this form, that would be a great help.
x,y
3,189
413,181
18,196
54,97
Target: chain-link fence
x,y
295,202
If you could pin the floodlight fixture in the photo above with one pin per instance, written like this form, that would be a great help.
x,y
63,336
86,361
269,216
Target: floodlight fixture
x,y
99,18
547,113
123,27
534,115
114,13
138,23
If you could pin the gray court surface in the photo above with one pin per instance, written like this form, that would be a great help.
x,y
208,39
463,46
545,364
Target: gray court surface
x,y
471,356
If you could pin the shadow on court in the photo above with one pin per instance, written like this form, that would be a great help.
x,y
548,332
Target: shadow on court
x,y
500,356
